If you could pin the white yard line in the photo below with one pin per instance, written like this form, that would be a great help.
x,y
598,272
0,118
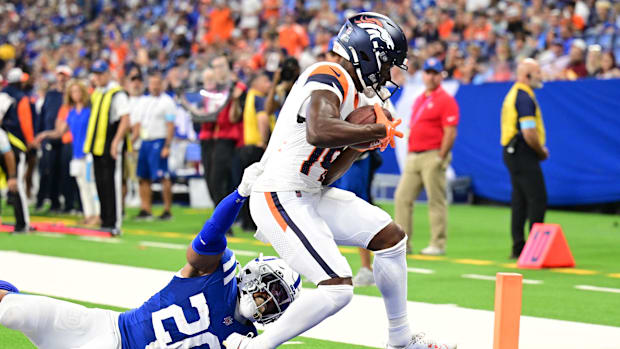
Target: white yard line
x,y
362,322
98,239
492,278
420,271
596,288
184,246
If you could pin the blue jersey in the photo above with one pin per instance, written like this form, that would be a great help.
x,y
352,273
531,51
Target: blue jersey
x,y
196,312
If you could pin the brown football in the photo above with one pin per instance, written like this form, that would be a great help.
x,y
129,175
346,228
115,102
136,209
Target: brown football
x,y
365,115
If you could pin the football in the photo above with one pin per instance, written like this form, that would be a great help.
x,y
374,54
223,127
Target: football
x,y
365,115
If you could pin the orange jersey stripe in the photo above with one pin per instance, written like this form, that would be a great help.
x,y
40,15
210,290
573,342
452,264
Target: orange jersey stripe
x,y
274,211
336,72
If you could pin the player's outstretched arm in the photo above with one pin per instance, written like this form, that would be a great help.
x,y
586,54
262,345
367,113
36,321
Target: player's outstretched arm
x,y
325,129
204,253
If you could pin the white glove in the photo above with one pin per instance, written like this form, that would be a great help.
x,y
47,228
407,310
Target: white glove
x,y
250,175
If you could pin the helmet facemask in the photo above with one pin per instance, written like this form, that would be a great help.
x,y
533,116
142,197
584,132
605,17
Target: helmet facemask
x,y
269,285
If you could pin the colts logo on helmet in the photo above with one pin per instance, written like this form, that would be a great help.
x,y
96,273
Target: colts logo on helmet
x,y
375,29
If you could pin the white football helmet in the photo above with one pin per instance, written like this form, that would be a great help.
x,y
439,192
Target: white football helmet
x,y
272,280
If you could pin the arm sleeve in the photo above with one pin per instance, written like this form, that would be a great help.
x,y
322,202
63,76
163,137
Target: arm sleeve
x,y
211,239
450,115
526,110
171,111
25,119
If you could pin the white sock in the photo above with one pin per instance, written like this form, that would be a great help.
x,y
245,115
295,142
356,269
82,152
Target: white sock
x,y
390,270
303,314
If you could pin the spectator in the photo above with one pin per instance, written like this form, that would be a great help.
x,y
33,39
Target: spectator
x,y
110,107
576,68
593,60
433,123
76,123
18,124
609,68
257,127
523,139
293,37
156,129
50,163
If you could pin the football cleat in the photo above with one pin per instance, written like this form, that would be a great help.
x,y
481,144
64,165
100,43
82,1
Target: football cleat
x,y
419,341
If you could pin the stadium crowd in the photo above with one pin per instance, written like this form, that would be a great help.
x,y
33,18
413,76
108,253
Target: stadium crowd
x,y
245,47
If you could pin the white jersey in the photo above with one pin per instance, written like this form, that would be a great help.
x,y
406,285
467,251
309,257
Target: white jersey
x,y
291,163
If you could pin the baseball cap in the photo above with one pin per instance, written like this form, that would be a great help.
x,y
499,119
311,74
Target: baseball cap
x,y
14,75
64,69
433,64
579,43
99,66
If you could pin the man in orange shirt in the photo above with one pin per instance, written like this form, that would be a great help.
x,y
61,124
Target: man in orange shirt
x,y
293,37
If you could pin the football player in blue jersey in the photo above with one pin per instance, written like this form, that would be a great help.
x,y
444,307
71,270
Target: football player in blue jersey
x,y
202,305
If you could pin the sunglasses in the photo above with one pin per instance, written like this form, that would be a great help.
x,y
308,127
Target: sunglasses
x,y
135,77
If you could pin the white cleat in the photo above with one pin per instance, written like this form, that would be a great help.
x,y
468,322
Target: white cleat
x,y
419,342
237,341
364,277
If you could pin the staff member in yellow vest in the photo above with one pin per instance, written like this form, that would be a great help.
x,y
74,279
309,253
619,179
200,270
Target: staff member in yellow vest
x,y
18,124
156,129
523,140
107,126
257,127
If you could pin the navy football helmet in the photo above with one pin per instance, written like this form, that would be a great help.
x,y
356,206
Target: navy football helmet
x,y
373,43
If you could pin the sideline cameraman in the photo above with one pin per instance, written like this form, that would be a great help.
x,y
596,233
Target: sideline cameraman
x,y
283,81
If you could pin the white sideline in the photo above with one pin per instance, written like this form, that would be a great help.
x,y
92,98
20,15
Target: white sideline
x,y
362,322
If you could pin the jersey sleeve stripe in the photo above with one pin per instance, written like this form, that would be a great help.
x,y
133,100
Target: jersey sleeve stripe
x,y
230,263
229,278
327,80
334,71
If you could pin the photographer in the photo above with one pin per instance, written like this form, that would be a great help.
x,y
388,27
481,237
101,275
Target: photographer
x,y
283,81
221,129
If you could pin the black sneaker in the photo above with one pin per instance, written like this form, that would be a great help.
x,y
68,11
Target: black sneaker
x,y
166,216
21,230
143,216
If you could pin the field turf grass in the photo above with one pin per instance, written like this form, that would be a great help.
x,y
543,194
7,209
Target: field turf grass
x,y
478,243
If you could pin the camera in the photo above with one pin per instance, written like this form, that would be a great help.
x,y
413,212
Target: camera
x,y
290,69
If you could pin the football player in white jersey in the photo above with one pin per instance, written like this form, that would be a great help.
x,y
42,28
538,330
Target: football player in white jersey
x,y
302,218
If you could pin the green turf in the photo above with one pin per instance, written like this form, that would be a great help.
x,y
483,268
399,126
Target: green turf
x,y
474,232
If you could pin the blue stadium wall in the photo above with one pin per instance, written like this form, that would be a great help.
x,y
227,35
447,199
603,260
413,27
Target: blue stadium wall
x,y
582,121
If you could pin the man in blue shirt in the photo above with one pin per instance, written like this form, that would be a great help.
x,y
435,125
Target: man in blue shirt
x,y
49,165
201,306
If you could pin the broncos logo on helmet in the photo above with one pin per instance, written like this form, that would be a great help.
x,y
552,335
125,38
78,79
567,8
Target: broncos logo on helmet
x,y
373,43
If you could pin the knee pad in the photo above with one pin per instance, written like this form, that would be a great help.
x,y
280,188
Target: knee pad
x,y
399,248
339,295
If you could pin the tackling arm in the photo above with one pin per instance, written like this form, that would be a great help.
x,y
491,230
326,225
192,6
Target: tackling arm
x,y
204,253
325,129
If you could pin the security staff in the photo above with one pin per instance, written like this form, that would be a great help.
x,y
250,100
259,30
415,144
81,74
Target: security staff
x,y
107,127
18,125
523,140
